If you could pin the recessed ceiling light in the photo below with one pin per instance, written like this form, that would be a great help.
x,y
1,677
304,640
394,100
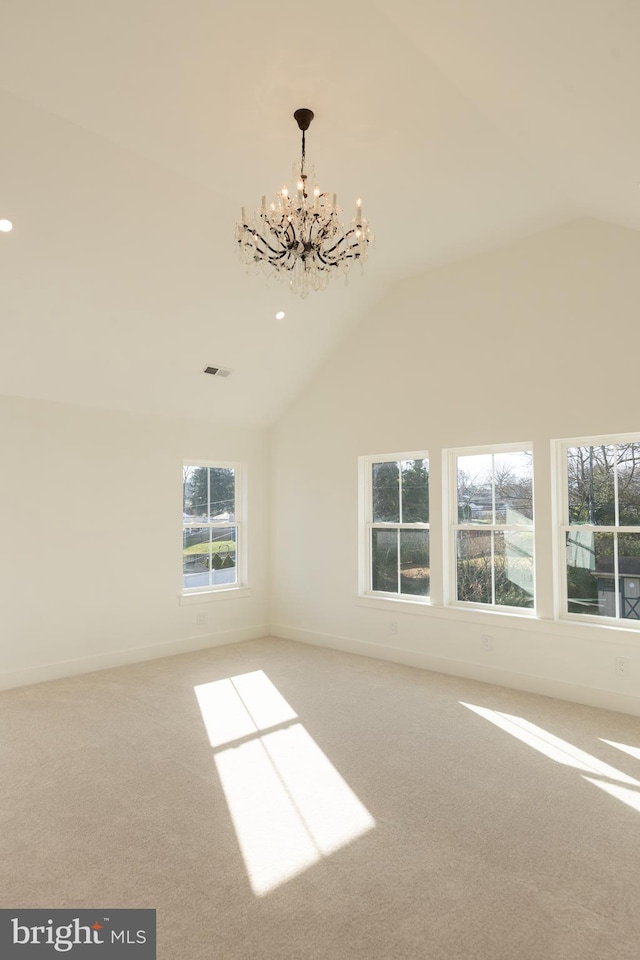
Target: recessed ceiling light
x,y
280,315
6,226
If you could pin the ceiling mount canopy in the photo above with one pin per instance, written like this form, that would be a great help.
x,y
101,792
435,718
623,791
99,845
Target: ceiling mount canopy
x,y
303,117
300,238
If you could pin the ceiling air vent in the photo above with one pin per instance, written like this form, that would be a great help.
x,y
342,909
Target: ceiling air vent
x,y
217,371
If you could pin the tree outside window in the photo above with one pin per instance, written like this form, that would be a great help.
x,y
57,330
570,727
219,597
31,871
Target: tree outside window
x,y
601,533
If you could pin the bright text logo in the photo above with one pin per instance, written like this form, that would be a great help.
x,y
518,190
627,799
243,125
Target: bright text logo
x,y
32,934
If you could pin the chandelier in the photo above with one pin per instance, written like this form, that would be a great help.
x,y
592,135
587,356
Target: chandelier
x,y
300,237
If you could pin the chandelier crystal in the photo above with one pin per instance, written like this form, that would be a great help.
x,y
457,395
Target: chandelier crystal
x,y
299,237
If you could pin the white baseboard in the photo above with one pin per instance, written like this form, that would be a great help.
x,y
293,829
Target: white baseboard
x,y
545,686
119,658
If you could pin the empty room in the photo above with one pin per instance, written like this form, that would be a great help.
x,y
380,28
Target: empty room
x,y
320,486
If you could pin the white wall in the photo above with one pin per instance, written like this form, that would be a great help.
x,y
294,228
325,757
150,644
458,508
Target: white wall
x,y
91,538
533,342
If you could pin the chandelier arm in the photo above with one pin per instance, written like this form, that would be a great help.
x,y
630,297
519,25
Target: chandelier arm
x,y
281,240
344,238
279,231
291,230
326,255
336,261
326,263
274,257
262,240
337,244
279,255
283,228
285,235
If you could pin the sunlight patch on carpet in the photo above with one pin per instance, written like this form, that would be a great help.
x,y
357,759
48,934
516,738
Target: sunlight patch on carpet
x,y
553,747
632,751
563,752
239,706
289,805
625,794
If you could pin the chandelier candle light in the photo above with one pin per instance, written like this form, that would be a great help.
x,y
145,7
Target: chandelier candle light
x,y
300,238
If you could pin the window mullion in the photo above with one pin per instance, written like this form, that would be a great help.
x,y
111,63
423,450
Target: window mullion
x,y
493,488
453,510
493,567
368,519
210,527
616,520
616,575
493,532
505,527
616,505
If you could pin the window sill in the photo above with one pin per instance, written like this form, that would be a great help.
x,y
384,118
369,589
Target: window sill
x,y
610,623
210,596
400,603
450,611
608,632
434,609
527,613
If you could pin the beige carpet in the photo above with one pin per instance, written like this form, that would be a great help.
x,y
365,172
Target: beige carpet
x,y
373,814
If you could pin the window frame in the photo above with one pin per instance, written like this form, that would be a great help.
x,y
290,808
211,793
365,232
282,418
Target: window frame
x,y
454,525
564,527
219,591
367,525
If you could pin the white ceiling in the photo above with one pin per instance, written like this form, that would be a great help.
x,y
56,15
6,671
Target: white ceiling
x,y
134,130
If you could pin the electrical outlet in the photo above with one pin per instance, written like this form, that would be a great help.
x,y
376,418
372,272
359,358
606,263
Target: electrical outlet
x,y
622,666
487,641
201,619
393,628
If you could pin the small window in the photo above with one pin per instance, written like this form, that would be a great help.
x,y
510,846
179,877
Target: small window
x,y
492,533
397,526
210,526
601,528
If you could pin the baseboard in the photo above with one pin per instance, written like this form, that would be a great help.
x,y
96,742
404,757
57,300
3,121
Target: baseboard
x,y
120,658
529,683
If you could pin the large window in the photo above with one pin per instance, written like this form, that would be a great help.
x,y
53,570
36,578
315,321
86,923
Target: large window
x,y
211,526
492,533
601,528
397,526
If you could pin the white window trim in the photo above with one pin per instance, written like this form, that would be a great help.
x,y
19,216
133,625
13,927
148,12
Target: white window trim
x,y
213,595
450,513
365,525
223,591
562,526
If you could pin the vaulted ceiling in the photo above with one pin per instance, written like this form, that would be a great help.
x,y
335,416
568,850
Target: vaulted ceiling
x,y
133,131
